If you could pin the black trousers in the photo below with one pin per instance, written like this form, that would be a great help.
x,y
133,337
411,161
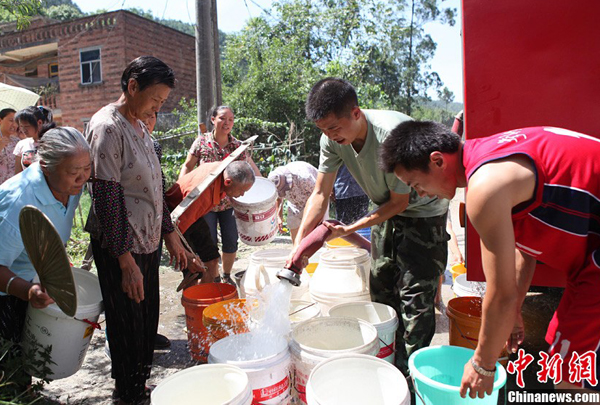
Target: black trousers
x,y
12,320
131,327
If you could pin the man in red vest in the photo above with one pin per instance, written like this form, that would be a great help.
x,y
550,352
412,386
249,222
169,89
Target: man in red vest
x,y
533,195
235,180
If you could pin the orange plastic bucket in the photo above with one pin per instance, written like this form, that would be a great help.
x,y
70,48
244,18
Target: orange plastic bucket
x,y
337,243
226,318
195,300
311,267
457,269
465,321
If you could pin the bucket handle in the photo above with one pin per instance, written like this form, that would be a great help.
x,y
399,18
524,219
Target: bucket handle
x,y
415,388
293,379
363,277
261,270
308,306
95,325
465,337
385,344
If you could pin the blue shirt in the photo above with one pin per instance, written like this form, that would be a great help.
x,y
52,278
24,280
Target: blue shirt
x,y
345,186
29,188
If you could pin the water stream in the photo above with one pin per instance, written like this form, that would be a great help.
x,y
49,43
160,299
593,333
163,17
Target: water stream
x,y
267,318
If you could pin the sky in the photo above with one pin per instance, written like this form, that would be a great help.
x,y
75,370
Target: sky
x,y
232,15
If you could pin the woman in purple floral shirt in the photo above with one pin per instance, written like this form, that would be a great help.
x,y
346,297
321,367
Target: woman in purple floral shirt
x,y
214,147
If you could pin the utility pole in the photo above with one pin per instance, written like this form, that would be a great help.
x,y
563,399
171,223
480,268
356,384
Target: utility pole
x,y
208,67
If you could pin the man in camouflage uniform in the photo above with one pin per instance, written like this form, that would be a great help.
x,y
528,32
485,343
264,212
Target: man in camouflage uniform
x,y
409,239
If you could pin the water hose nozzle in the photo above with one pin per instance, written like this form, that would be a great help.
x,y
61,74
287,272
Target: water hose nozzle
x,y
289,275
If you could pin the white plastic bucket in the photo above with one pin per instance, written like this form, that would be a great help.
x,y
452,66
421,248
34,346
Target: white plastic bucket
x,y
267,365
321,338
382,316
256,213
209,384
328,301
262,271
301,311
356,379
342,276
464,288
69,336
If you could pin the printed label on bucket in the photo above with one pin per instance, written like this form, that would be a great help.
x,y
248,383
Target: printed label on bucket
x,y
386,350
300,383
264,394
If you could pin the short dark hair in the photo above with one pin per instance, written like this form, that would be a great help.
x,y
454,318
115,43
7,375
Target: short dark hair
x,y
147,71
330,95
33,114
240,172
411,142
5,111
215,111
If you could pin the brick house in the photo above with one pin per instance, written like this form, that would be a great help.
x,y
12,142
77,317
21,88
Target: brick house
x,y
79,63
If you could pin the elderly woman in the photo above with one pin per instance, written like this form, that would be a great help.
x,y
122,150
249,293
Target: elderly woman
x,y
53,184
295,182
215,146
128,221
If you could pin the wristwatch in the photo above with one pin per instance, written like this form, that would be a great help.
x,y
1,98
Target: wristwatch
x,y
481,370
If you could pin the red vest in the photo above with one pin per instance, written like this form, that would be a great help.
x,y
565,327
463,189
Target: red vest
x,y
560,226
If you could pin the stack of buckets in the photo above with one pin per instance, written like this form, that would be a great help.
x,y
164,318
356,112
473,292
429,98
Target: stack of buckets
x,y
358,337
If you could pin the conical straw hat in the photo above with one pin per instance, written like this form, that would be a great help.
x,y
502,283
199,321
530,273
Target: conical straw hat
x,y
49,258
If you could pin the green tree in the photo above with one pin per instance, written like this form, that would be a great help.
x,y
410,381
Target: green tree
x,y
446,97
380,46
20,11
63,12
50,3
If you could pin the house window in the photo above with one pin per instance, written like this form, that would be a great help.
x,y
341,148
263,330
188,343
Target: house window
x,y
91,71
85,122
53,70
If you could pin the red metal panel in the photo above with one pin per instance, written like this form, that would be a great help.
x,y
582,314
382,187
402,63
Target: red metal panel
x,y
528,63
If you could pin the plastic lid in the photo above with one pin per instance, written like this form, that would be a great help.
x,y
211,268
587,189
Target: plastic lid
x,y
49,258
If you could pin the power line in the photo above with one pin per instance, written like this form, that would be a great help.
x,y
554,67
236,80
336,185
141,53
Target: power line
x,y
247,8
165,10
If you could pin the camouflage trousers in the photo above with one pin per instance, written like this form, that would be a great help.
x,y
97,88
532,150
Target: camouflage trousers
x,y
408,256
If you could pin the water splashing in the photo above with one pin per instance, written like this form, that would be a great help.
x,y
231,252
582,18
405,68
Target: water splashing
x,y
267,318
